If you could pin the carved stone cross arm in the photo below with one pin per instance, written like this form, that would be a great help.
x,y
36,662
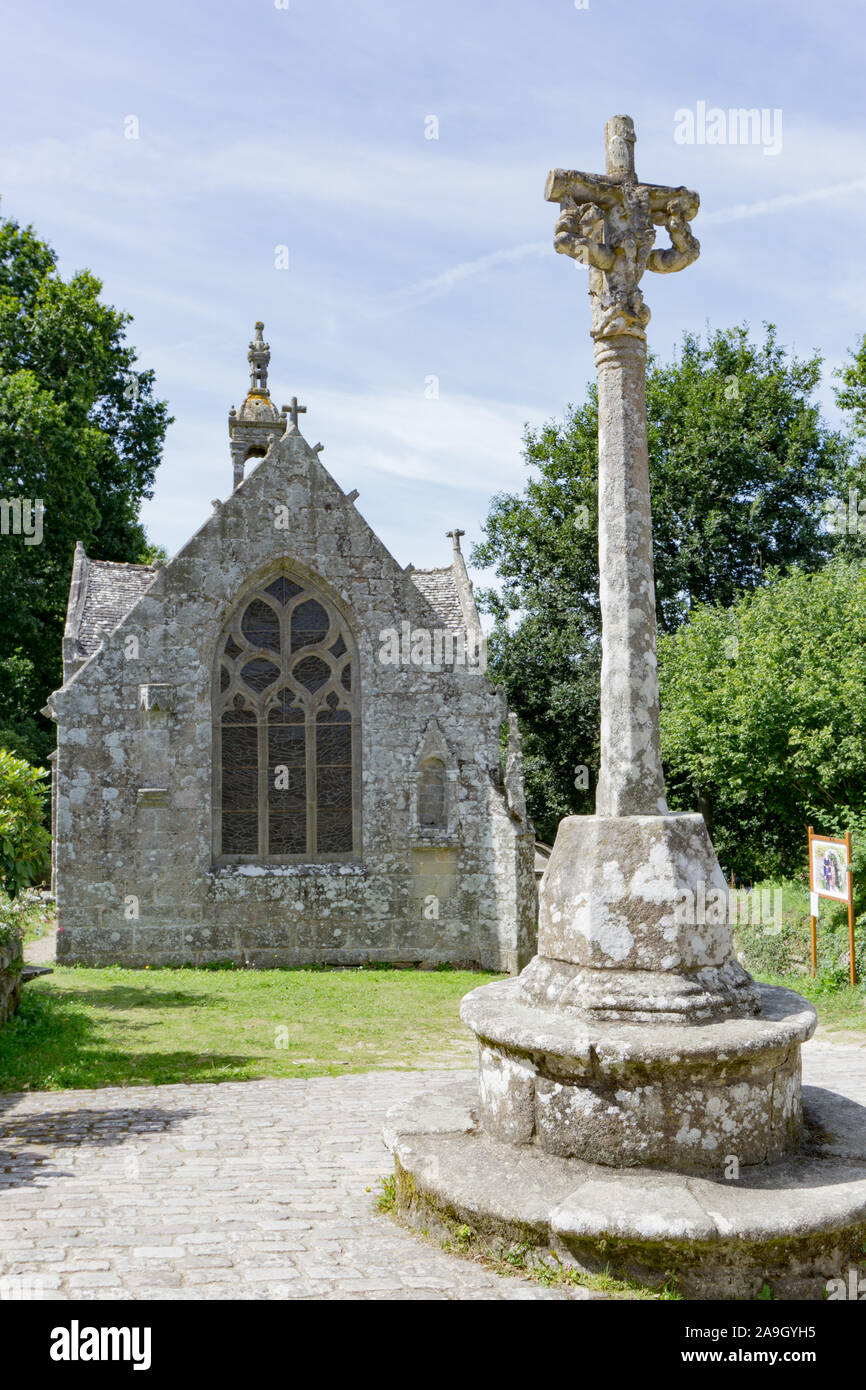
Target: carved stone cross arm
x,y
606,190
608,221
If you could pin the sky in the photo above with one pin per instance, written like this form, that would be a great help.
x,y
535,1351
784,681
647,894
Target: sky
x,y
299,131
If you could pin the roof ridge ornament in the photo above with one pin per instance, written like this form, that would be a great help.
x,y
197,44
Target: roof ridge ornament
x,y
259,357
253,427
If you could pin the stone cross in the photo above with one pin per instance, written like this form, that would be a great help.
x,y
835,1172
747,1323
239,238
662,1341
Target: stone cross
x,y
455,536
607,222
295,410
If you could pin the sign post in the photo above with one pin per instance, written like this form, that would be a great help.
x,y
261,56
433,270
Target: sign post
x,y
830,876
813,903
852,963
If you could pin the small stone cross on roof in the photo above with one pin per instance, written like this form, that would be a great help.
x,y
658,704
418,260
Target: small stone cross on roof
x,y
455,536
295,410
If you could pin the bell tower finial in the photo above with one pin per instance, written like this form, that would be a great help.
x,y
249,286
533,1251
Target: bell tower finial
x,y
254,427
259,357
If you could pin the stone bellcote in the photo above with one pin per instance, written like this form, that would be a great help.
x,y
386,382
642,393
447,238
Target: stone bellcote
x,y
258,422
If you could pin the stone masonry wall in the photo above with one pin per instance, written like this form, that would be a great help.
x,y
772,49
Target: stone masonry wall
x,y
135,879
10,979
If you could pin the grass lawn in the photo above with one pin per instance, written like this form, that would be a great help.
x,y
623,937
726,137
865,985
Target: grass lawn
x,y
115,1027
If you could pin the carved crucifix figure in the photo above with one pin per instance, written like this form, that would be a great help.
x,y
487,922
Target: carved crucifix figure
x,y
608,223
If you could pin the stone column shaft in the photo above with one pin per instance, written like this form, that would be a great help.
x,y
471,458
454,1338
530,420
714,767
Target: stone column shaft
x,y
630,779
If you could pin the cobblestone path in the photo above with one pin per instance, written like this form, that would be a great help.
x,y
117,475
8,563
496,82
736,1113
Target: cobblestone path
x,y
252,1189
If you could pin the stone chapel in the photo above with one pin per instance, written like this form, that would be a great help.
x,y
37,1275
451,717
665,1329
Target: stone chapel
x,y
281,747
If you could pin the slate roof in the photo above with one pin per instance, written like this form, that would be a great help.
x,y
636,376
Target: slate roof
x,y
439,588
112,589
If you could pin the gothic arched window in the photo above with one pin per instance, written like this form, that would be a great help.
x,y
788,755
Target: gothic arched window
x,y
286,743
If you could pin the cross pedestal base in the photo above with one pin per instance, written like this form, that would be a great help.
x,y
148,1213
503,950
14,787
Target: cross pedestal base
x,y
634,924
792,1225
688,1097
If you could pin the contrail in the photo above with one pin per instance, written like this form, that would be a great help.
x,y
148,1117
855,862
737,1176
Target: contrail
x,y
437,285
784,200
425,290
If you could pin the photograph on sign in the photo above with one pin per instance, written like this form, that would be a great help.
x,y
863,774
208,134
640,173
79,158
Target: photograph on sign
x,y
830,869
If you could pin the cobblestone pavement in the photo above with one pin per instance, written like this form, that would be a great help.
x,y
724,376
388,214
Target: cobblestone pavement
x,y
252,1189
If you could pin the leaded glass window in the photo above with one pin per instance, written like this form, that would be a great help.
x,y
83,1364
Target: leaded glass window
x,y
285,729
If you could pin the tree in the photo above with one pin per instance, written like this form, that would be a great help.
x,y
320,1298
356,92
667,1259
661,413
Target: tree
x,y
851,395
764,716
24,841
741,469
81,432
19,695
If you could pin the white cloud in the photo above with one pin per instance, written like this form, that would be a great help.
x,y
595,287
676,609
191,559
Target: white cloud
x,y
460,442
425,185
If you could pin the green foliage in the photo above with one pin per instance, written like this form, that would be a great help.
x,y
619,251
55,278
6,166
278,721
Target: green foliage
x,y
152,554
24,841
386,1200
20,697
851,395
764,717
741,466
81,431
778,942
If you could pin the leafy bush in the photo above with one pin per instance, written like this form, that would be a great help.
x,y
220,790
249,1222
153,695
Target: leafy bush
x,y
780,943
763,718
741,465
24,841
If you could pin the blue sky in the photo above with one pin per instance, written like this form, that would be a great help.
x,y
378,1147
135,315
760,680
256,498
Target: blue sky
x,y
409,257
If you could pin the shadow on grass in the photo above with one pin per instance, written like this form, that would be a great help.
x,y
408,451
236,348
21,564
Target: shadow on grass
x,y
53,1044
132,997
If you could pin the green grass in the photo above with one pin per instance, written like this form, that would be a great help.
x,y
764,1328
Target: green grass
x,y
550,1273
115,1027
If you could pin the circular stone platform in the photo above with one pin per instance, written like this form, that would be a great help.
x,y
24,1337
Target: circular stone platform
x,y
793,1225
677,1095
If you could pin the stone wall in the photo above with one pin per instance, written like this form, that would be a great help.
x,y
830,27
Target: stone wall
x,y
136,881
10,979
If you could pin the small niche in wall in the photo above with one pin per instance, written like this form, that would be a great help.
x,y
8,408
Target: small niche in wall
x,y
433,795
433,785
